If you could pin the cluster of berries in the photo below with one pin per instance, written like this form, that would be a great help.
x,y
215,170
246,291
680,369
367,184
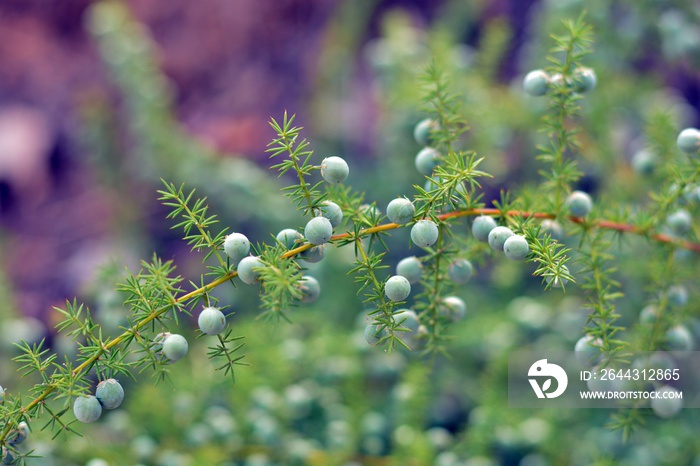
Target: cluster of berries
x,y
15,437
108,395
539,82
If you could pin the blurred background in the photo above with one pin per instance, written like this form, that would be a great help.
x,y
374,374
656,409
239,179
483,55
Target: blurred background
x,y
99,100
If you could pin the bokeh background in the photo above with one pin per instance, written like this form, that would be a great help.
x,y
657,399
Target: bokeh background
x,y
99,100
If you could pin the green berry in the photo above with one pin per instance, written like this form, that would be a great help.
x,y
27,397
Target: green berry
x,y
2,394
313,254
644,162
553,229
422,131
498,237
87,408
109,393
236,246
289,238
482,226
18,434
175,347
374,333
411,268
408,319
460,271
400,211
211,321
397,288
424,233
332,212
334,170
679,222
516,248
318,230
649,314
536,83
689,140
247,270
666,403
587,350
679,338
452,308
427,160
584,80
310,289
579,204
677,295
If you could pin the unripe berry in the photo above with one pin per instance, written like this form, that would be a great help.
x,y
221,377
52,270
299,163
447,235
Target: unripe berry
x,y
332,212
679,338
498,237
666,403
424,233
482,226
211,321
587,350
408,319
289,238
109,393
318,230
411,268
649,314
644,162
247,272
175,347
584,79
397,288
689,140
313,254
536,83
579,204
374,333
334,170
310,289
516,248
8,456
87,408
422,131
453,308
677,295
400,211
553,228
18,434
460,271
679,222
427,160
236,246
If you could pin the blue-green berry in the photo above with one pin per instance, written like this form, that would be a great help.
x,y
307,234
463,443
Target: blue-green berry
x,y
2,394
460,271
424,233
374,333
644,162
584,79
109,393
313,254
679,222
666,403
400,211
679,338
649,314
175,347
536,83
236,247
332,212
498,237
689,140
422,131
310,289
427,160
677,295
211,321
18,434
579,204
289,238
8,456
516,248
407,318
249,270
587,350
553,229
87,408
482,226
397,288
453,308
318,230
334,170
411,268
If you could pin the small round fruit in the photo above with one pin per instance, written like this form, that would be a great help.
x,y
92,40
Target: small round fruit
x,y
666,402
587,350
453,308
236,246
579,204
644,162
553,229
536,83
460,271
679,338
332,212
677,295
175,347
18,434
411,268
584,79
482,226
289,238
109,393
87,408
408,319
8,456
313,254
397,288
211,321
310,289
374,333
516,248
247,272
422,131
427,160
334,170
649,314
400,211
679,222
318,230
498,236
424,233
689,140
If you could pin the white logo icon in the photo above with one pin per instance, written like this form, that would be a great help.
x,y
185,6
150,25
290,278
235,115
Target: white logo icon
x,y
543,369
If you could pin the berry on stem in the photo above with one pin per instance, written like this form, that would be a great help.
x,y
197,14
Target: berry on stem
x,y
87,408
422,131
536,83
109,393
453,308
498,236
677,295
211,321
553,228
334,170
427,160
175,347
236,247
397,288
289,238
688,140
314,254
679,222
332,212
584,79
460,271
666,403
679,338
247,272
424,233
310,289
318,230
587,350
579,204
18,434
516,248
374,333
482,226
411,268
400,211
